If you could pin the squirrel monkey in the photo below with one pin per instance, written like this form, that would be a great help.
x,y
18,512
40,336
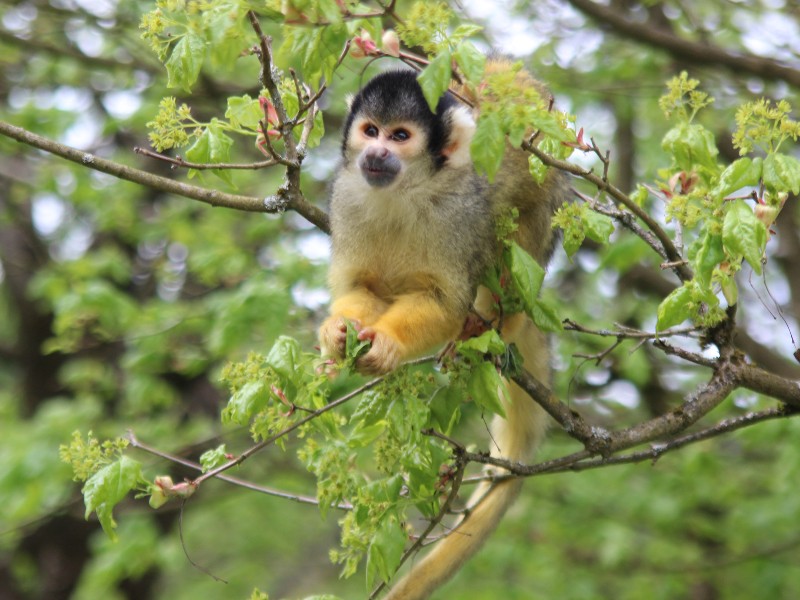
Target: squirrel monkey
x,y
412,231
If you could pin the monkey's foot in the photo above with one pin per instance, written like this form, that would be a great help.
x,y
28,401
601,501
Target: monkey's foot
x,y
384,355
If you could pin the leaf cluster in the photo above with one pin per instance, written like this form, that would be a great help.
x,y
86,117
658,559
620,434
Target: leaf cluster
x,y
699,197
109,475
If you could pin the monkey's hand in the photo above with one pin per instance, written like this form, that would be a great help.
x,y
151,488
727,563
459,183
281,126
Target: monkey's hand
x,y
333,336
384,355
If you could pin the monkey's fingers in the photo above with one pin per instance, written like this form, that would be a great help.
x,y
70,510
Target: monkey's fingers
x,y
384,355
367,333
333,336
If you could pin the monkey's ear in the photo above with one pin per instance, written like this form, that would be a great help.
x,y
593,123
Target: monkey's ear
x,y
462,128
348,100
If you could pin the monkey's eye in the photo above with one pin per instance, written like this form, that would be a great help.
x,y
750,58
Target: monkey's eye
x,y
370,131
400,135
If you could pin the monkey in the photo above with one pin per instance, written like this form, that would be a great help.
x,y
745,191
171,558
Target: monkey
x,y
412,233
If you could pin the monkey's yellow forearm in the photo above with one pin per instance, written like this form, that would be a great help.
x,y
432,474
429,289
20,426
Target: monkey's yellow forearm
x,y
420,322
359,306
412,324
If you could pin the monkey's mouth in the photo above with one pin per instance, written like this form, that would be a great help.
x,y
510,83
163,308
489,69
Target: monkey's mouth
x,y
379,176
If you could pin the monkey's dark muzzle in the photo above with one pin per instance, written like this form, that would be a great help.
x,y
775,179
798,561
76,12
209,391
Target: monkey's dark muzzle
x,y
379,169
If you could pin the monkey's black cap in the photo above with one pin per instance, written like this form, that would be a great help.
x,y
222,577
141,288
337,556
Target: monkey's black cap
x,y
396,97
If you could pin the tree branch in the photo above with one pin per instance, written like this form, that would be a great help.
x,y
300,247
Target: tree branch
x,y
690,50
177,161
135,443
760,381
670,252
294,202
579,461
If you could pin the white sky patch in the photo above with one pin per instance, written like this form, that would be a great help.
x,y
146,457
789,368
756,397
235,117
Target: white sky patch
x,y
66,182
76,242
48,214
745,402
87,39
70,98
101,8
509,35
315,246
782,40
623,393
580,53
122,104
596,376
19,18
83,133
311,298
325,158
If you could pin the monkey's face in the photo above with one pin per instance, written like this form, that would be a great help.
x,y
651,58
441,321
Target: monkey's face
x,y
385,151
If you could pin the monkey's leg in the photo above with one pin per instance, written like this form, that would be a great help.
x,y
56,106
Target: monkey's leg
x,y
413,323
359,306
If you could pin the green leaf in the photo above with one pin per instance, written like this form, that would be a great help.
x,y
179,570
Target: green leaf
x,y
435,78
213,146
526,275
546,121
106,488
743,235
386,550
485,386
675,308
223,24
729,289
545,316
363,435
330,10
537,168
183,65
691,146
471,61
739,174
573,240
705,255
285,357
353,347
214,458
246,402
598,227
445,405
489,342
488,145
244,111
312,45
466,30
317,132
782,173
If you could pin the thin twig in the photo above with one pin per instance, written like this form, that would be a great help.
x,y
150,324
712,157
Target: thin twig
x,y
629,332
273,438
136,443
180,162
197,566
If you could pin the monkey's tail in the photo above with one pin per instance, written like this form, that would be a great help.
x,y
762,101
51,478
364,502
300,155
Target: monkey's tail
x,y
515,438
